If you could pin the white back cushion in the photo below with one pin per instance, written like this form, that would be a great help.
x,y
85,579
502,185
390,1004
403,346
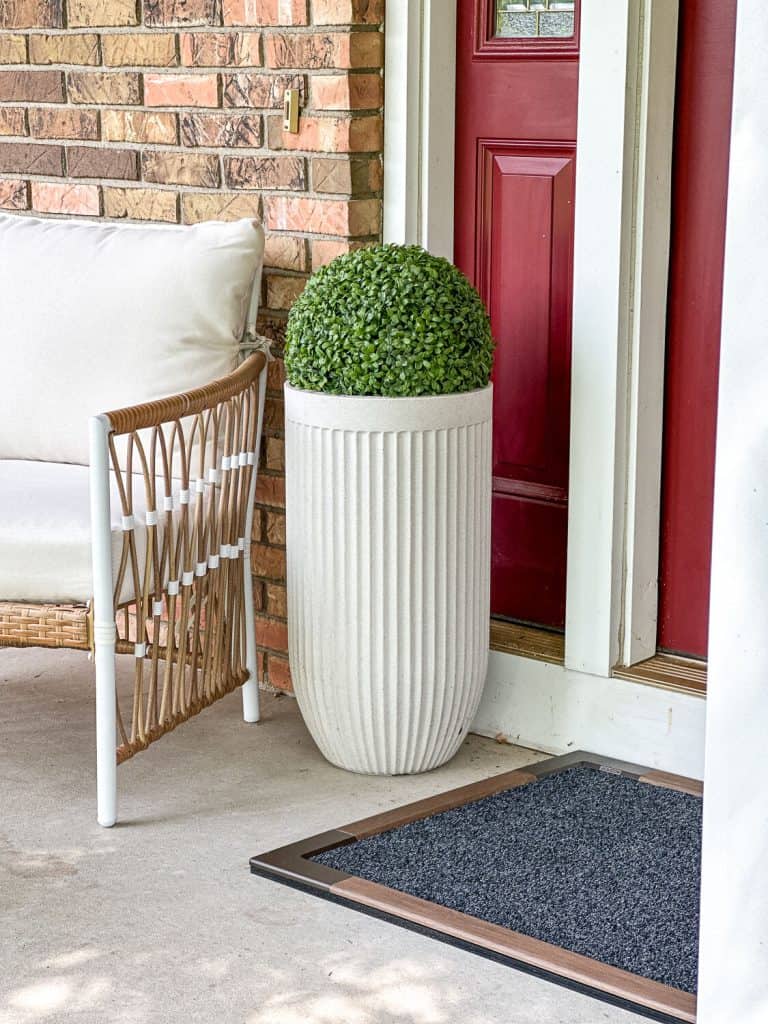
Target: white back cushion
x,y
97,316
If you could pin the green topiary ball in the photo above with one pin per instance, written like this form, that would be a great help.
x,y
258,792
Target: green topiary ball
x,y
388,320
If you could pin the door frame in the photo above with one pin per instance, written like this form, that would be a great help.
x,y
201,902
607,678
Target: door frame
x,y
621,255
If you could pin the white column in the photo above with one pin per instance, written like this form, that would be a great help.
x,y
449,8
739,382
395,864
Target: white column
x,y
733,970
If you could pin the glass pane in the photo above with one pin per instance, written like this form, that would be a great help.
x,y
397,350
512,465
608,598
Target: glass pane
x,y
534,19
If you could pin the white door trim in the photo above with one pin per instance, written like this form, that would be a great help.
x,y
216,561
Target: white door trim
x,y
623,187
626,100
551,708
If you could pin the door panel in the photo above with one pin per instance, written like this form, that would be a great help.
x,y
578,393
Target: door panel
x,y
700,181
516,135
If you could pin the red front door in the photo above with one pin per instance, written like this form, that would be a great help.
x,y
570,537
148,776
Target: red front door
x,y
516,99
700,184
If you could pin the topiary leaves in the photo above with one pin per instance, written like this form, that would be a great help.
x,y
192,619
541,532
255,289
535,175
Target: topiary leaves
x,y
388,320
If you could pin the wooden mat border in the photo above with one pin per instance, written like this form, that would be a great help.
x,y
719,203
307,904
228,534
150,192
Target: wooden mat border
x,y
290,864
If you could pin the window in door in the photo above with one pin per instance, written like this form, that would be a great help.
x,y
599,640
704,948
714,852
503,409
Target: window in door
x,y
526,19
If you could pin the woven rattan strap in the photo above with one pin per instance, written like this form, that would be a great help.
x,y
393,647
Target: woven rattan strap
x,y
43,625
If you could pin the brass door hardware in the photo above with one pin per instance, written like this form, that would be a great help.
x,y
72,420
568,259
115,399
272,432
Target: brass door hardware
x,y
291,111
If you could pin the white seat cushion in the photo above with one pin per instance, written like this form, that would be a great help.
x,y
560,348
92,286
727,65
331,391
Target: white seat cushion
x,y
99,316
45,533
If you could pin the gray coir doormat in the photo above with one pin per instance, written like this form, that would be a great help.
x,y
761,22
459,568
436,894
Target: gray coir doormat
x,y
580,868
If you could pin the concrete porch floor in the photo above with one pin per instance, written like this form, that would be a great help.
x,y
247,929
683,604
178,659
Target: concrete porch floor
x,y
159,920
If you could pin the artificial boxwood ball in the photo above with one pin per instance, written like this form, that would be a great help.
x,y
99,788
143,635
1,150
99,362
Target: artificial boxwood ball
x,y
388,320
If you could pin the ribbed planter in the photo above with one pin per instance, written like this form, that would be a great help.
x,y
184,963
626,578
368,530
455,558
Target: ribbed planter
x,y
388,535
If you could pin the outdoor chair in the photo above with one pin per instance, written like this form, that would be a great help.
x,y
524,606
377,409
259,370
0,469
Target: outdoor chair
x,y
128,532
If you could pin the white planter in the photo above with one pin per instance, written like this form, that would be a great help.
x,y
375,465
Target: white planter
x,y
388,535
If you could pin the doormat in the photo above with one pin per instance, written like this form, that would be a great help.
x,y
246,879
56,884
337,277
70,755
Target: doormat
x,y
581,869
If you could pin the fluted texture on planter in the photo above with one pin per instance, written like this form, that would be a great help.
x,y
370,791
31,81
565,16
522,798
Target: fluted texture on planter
x,y
388,535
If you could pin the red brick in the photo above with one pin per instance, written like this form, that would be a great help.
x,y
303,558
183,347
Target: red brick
x,y
273,330
31,14
101,13
32,86
279,673
276,528
270,490
28,158
323,251
341,176
141,204
376,173
65,197
95,162
276,375
257,526
220,49
347,12
329,134
356,91
265,172
180,12
119,87
139,49
12,121
260,671
327,50
277,603
181,90
247,89
274,415
271,634
268,562
70,48
285,253
283,291
67,123
275,453
227,130
13,195
13,48
159,127
201,169
265,12
200,206
355,218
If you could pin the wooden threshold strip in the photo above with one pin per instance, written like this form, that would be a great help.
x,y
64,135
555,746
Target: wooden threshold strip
x,y
527,642
291,864
666,671
669,672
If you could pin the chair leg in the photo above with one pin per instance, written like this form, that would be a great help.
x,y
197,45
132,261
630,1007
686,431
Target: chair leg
x,y
104,632
106,735
251,685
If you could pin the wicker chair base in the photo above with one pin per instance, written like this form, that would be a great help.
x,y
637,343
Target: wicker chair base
x,y
44,625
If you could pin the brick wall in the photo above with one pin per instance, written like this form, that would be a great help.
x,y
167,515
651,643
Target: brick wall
x,y
170,110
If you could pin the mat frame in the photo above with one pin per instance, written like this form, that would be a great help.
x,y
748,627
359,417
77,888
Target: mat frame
x,y
291,865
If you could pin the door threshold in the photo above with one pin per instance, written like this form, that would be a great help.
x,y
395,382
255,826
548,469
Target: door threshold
x,y
664,671
668,672
527,641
